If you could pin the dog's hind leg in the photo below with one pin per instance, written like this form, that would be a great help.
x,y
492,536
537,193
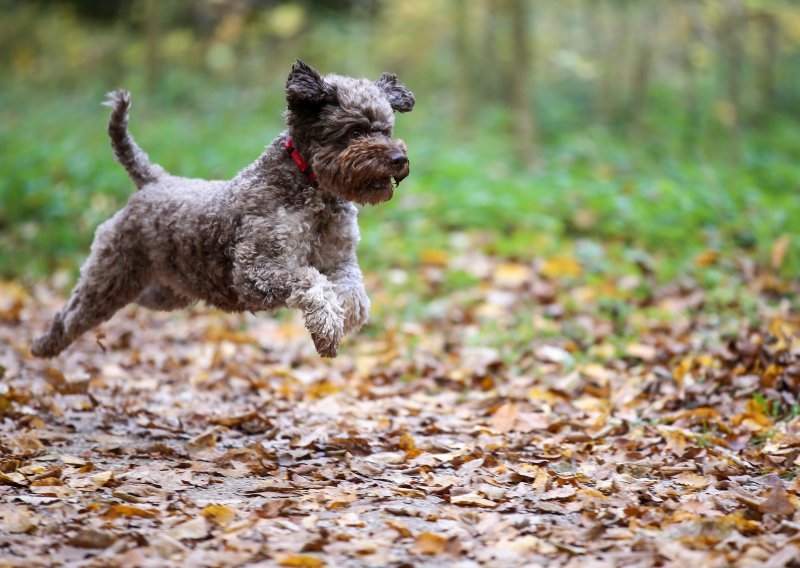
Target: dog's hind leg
x,y
113,275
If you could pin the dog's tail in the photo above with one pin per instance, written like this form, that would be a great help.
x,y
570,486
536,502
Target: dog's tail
x,y
126,150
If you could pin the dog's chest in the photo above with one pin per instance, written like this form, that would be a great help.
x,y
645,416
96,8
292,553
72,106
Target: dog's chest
x,y
333,232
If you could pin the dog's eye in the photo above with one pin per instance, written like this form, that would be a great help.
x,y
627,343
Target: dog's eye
x,y
355,133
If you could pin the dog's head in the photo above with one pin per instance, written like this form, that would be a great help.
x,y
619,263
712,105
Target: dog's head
x,y
343,128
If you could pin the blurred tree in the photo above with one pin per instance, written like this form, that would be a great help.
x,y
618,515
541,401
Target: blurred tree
x,y
770,56
519,78
731,46
152,20
647,30
693,35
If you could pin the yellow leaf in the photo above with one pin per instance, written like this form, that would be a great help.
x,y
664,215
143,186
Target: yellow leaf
x,y
559,266
434,257
301,561
512,274
218,514
430,543
535,393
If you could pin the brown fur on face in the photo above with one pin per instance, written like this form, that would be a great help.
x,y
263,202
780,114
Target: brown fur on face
x,y
343,127
363,172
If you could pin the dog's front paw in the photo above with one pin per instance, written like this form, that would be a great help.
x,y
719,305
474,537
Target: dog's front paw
x,y
356,309
327,345
326,325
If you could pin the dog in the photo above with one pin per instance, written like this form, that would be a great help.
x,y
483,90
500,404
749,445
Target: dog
x,y
282,233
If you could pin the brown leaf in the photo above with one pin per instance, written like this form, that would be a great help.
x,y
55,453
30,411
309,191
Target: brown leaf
x,y
18,520
779,249
119,510
429,543
192,529
473,499
706,258
90,538
778,502
504,417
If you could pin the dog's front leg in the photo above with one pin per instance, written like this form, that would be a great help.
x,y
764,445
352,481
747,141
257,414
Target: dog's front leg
x,y
348,284
306,289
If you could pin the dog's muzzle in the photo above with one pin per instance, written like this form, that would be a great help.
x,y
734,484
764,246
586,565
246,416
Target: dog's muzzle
x,y
399,160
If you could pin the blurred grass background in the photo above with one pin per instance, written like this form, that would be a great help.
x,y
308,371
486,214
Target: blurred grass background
x,y
615,132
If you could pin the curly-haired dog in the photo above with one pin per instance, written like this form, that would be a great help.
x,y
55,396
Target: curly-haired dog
x,y
283,232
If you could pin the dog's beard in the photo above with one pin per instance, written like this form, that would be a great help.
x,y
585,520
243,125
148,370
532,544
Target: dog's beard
x,y
361,172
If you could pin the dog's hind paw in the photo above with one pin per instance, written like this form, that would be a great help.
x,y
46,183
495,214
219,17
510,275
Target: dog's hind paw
x,y
51,343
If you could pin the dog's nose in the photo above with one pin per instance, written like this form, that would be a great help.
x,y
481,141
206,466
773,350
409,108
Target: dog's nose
x,y
398,159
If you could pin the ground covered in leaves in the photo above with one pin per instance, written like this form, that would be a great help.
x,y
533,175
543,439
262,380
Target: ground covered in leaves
x,y
532,416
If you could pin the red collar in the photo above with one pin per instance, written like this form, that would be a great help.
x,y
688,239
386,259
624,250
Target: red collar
x,y
301,163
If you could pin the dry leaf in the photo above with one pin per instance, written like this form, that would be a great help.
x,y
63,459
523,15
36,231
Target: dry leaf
x,y
512,274
301,561
504,417
429,543
779,249
119,510
473,499
560,266
192,529
219,514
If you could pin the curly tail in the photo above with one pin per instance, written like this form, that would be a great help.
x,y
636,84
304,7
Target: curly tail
x,y
126,150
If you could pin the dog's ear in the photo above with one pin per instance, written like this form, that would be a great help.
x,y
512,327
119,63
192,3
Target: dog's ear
x,y
305,87
401,99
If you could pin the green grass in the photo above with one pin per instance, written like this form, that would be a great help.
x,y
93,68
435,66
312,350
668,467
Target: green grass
x,y
607,200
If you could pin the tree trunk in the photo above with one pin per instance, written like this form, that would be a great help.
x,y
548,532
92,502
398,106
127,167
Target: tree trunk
x,y
464,91
734,57
642,67
153,33
692,121
770,34
520,82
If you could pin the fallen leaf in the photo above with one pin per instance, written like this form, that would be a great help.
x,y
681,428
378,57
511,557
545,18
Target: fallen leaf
x,y
192,529
90,538
219,514
473,499
779,249
119,510
301,561
429,543
504,417
560,266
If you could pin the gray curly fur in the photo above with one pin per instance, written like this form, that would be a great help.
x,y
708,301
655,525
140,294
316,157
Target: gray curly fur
x,y
266,239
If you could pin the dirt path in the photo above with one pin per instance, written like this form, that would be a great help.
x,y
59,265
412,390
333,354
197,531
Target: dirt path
x,y
212,440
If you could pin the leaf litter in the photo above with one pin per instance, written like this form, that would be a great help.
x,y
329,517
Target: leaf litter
x,y
542,416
